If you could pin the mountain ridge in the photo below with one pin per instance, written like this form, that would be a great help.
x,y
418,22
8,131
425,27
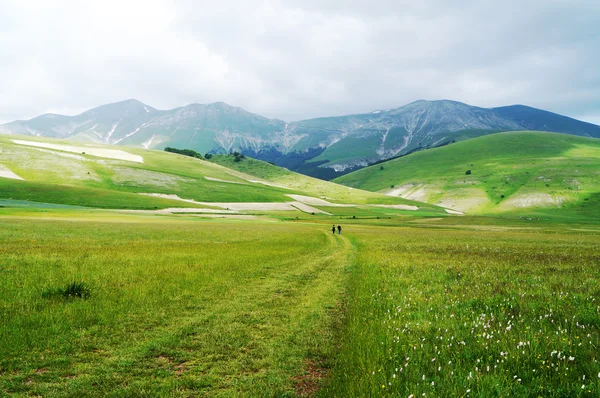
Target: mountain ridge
x,y
324,147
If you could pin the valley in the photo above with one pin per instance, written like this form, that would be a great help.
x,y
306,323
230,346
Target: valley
x,y
309,199
132,272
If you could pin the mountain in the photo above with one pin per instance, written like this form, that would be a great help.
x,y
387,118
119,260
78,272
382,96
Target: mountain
x,y
537,119
323,147
504,172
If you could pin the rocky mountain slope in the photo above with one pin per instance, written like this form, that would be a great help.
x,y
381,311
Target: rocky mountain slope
x,y
322,147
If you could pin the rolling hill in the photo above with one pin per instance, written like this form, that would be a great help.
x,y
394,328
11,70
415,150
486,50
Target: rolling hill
x,y
62,172
504,172
323,147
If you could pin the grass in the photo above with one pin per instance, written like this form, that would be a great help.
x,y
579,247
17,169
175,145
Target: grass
x,y
446,306
308,185
175,308
506,169
81,179
161,172
77,196
465,313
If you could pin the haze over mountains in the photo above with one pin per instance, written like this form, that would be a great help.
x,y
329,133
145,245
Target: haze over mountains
x,y
322,147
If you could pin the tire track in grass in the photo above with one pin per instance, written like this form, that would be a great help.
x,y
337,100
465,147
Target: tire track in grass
x,y
329,292
254,339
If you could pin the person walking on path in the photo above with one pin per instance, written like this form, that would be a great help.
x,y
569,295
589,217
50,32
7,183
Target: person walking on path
x,y
333,229
339,230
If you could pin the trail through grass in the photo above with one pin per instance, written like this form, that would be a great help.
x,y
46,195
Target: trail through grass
x,y
176,308
462,306
459,313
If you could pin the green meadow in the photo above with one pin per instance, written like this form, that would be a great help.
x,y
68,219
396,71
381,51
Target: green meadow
x,y
309,185
175,307
97,303
67,177
498,173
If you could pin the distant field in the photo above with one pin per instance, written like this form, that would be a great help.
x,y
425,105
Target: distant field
x,y
184,306
309,185
499,173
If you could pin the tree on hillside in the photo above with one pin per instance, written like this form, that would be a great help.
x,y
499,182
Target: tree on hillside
x,y
185,152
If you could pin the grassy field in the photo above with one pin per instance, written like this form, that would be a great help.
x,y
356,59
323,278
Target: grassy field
x,y
77,177
174,308
311,186
504,172
487,313
182,306
161,172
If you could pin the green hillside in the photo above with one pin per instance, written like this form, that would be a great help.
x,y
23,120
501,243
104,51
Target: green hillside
x,y
312,186
514,172
46,170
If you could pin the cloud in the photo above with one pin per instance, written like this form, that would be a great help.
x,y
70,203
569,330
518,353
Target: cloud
x,y
295,59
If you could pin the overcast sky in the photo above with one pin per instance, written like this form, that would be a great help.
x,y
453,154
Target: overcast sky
x,y
296,59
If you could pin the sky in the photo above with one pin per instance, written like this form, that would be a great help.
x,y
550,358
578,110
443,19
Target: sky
x,y
298,59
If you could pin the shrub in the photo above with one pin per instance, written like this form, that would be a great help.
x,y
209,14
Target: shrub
x,y
208,156
468,172
71,291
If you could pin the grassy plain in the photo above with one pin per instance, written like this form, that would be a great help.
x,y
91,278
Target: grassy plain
x,y
471,311
175,308
182,306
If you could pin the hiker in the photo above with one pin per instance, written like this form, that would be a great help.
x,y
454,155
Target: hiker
x,y
333,229
339,230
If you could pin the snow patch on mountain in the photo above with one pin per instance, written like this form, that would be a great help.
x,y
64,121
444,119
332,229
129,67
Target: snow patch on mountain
x,y
339,167
112,130
149,142
33,132
130,134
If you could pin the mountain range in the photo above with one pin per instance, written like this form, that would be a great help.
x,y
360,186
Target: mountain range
x,y
324,147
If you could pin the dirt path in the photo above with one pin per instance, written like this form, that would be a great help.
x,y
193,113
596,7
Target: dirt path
x,y
243,206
